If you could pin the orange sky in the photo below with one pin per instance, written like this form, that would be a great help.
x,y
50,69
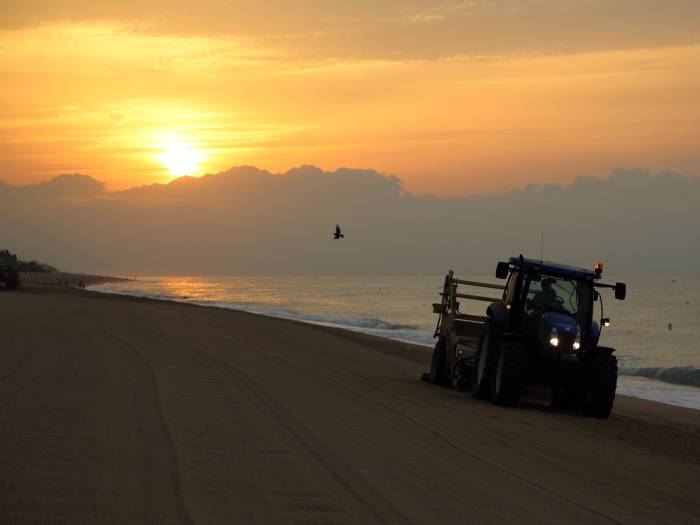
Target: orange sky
x,y
453,98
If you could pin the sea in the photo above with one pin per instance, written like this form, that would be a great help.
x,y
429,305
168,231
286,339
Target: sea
x,y
655,330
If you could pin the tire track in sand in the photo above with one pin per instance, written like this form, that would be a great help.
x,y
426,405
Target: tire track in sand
x,y
434,432
151,477
345,480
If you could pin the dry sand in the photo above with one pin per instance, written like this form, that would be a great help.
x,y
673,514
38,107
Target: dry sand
x,y
123,410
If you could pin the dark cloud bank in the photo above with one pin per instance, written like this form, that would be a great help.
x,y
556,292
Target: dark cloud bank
x,y
247,221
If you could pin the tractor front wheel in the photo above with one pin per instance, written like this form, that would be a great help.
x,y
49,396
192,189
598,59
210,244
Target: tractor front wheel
x,y
509,373
438,366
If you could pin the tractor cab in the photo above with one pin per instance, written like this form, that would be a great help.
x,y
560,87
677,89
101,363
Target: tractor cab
x,y
551,308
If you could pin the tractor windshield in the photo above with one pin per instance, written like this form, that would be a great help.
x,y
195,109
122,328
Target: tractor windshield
x,y
555,293
564,294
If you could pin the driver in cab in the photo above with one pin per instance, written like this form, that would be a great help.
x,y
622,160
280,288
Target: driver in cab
x,y
547,297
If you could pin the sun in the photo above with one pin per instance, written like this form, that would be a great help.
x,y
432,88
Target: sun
x,y
180,159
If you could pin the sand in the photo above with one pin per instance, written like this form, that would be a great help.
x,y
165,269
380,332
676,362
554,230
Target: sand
x,y
125,410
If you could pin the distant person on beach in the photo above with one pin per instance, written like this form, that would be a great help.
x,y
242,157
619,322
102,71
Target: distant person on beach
x,y
66,283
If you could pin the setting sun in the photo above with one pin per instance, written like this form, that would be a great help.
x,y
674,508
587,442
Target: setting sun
x,y
180,159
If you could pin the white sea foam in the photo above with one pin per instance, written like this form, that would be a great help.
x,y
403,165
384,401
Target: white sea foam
x,y
369,326
644,388
677,375
122,289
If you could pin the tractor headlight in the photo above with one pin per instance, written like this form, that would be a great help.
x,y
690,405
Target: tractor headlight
x,y
577,340
554,337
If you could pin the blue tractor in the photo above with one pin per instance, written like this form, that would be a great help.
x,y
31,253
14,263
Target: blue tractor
x,y
541,332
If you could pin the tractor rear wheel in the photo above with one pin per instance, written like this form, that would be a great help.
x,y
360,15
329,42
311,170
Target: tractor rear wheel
x,y
483,362
602,383
509,373
438,366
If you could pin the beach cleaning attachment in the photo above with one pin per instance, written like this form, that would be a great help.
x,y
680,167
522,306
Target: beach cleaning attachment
x,y
540,331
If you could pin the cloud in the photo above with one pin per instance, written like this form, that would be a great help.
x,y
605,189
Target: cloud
x,y
65,186
247,221
394,30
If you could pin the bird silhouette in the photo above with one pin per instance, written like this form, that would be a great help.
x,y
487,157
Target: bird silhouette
x,y
337,233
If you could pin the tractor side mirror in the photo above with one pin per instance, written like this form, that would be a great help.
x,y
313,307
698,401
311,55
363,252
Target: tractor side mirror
x,y
620,291
502,270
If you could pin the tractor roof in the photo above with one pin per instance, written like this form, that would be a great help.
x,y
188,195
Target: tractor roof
x,y
554,267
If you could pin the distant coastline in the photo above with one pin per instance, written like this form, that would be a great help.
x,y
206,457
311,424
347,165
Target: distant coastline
x,y
33,280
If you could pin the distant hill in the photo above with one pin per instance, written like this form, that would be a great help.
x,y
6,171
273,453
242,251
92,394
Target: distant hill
x,y
18,265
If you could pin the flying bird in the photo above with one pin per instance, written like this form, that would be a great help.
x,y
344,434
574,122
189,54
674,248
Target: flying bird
x,y
337,233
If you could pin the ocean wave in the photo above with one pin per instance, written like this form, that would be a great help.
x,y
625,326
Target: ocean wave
x,y
363,322
365,325
677,375
250,306
411,337
119,290
106,288
116,286
669,396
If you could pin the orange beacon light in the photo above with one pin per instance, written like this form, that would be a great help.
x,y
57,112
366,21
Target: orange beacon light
x,y
598,267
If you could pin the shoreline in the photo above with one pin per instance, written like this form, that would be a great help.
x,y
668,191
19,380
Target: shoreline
x,y
118,408
32,280
414,351
634,385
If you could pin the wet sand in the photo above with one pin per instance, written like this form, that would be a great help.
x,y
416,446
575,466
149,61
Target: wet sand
x,y
123,410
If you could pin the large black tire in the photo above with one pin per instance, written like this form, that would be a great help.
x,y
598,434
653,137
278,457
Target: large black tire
x,y
602,383
483,361
438,366
508,373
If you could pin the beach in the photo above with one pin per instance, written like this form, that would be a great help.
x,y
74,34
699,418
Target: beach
x,y
116,409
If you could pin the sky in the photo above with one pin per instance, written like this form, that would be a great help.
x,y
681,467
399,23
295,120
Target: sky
x,y
247,221
455,98
228,137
